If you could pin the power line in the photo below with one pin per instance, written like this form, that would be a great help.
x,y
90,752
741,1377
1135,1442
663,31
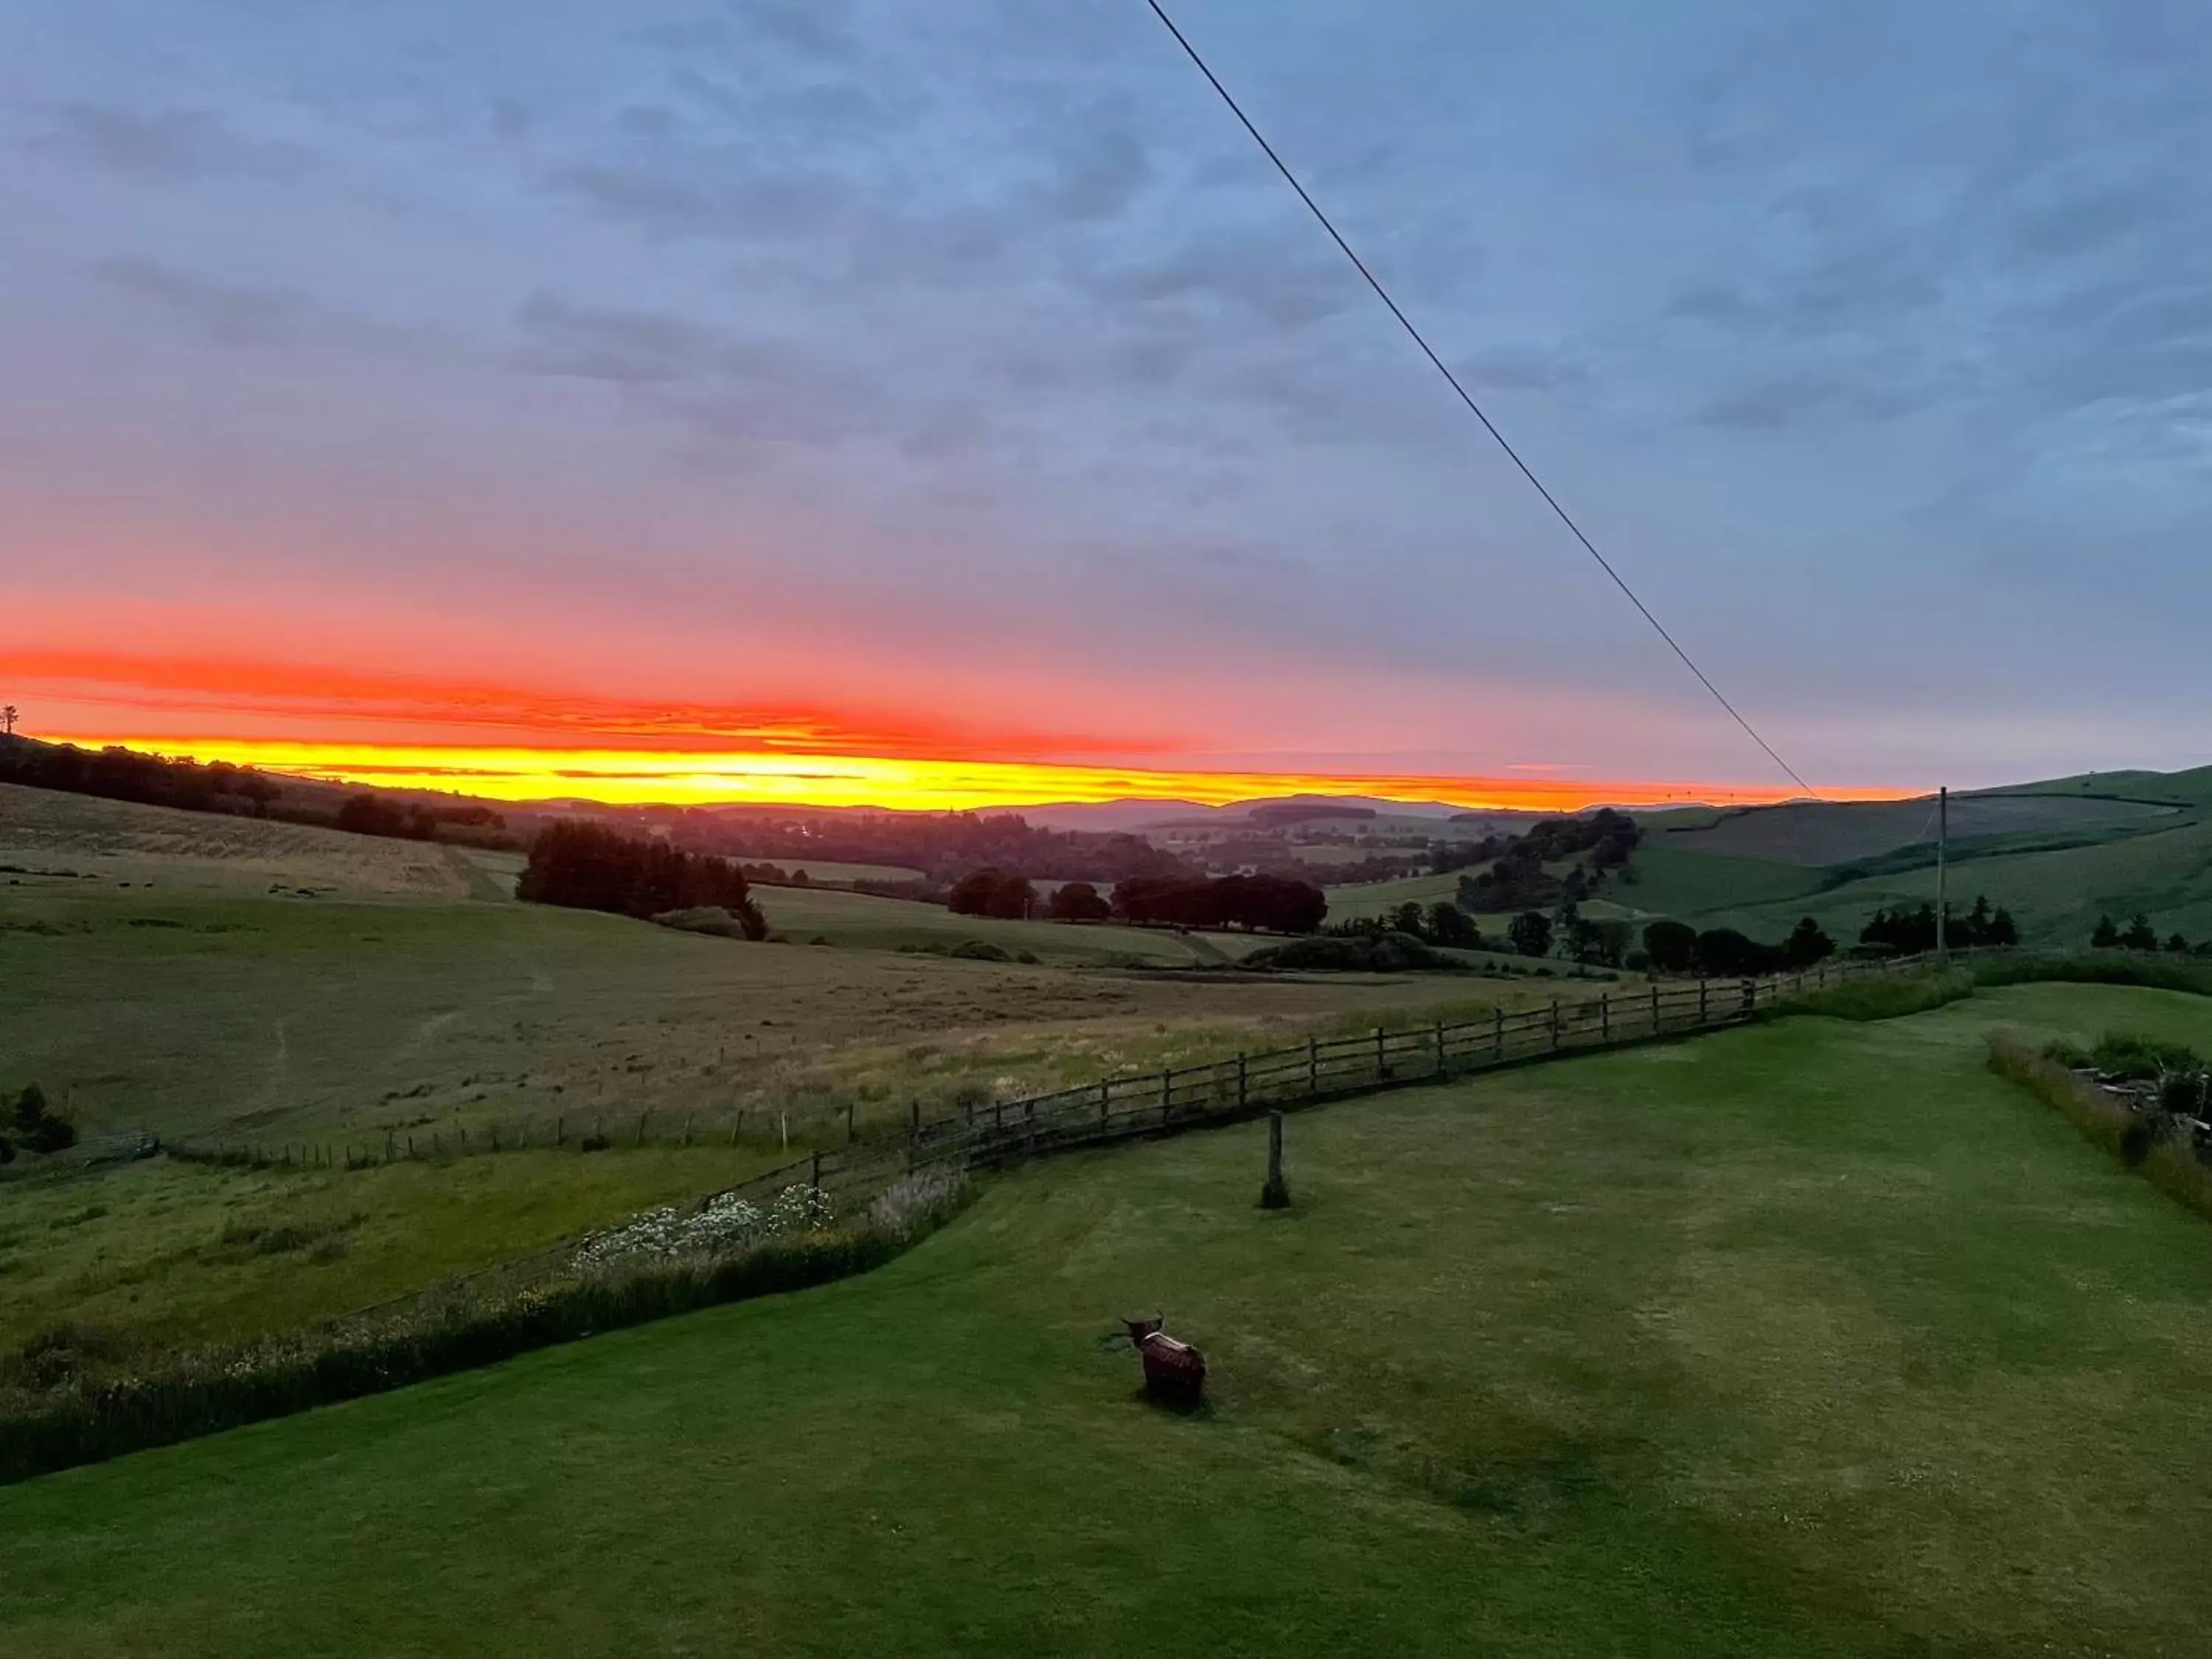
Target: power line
x,y
1511,455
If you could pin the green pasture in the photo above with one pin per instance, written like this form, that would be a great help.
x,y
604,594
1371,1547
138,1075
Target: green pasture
x,y
1810,1338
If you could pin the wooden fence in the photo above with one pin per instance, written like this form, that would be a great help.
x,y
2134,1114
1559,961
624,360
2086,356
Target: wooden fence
x,y
1223,1091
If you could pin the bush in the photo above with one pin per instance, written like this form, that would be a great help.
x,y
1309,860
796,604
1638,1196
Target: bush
x,y
2141,1059
977,950
2064,1051
1362,953
1884,999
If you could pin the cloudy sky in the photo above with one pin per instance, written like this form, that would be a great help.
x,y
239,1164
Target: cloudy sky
x,y
957,384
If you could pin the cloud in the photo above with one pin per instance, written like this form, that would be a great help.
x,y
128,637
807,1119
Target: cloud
x,y
166,146
726,387
226,313
1102,177
1522,368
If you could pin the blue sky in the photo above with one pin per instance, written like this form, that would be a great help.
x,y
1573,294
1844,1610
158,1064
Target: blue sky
x,y
966,359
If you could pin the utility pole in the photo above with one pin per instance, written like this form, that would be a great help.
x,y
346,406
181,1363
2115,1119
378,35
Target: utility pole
x,y
1943,854
7,720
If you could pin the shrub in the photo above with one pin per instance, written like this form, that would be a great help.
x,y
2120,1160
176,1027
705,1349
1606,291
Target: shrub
x,y
2138,1058
2064,1051
1363,953
1885,998
976,950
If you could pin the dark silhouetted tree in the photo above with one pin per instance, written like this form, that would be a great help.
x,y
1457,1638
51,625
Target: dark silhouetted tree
x,y
2106,936
1408,918
1531,934
584,866
1078,901
1452,928
2140,935
1672,946
1807,944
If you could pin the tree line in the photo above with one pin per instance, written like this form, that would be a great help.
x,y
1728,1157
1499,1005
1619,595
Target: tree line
x,y
128,774
586,867
1911,932
1262,902
2140,935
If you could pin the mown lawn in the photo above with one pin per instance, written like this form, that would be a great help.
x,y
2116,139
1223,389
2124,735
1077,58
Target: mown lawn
x,y
1806,1339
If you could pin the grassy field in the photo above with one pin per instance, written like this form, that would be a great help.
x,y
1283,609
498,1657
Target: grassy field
x,y
863,920
160,1252
1810,1338
46,835
1814,833
269,1019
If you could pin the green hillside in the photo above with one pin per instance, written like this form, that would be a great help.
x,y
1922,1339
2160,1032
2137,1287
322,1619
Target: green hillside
x,y
1811,1339
2058,854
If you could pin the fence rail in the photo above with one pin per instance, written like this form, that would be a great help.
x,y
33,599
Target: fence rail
x,y
1148,1105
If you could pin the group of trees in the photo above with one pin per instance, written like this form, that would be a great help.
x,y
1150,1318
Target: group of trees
x,y
1675,947
411,820
1912,931
586,867
1268,903
1441,923
1517,879
2140,935
35,1126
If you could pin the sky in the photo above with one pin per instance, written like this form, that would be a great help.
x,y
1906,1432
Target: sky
x,y
854,400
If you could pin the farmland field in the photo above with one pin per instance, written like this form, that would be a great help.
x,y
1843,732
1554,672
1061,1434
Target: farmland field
x,y
1812,1338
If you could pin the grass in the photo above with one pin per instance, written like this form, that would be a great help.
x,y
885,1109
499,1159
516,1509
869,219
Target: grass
x,y
864,920
162,1254
1802,1339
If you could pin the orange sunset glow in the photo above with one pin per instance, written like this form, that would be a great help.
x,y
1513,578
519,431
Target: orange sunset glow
x,y
524,739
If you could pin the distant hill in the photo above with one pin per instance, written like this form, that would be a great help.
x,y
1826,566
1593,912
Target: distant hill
x,y
2058,854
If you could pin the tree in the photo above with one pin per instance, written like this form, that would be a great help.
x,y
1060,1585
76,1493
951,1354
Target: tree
x,y
584,866
1531,934
2106,935
2003,930
1672,946
1451,927
2177,944
2140,935
971,894
1078,901
1807,945
1012,900
1409,918
7,720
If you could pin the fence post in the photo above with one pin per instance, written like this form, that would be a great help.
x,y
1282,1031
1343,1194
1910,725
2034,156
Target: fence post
x,y
914,1118
560,1128
392,1150
411,1149
1555,1025
816,1180
1750,997
642,1117
1105,1094
494,1136
687,1129
1701,1002
1655,1007
1440,1047
1313,1066
1605,1017
1167,1093
1381,1063
1240,1081
1498,1030
848,1124
1820,980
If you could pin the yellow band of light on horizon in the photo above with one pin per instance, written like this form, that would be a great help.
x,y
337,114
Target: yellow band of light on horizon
x,y
691,778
